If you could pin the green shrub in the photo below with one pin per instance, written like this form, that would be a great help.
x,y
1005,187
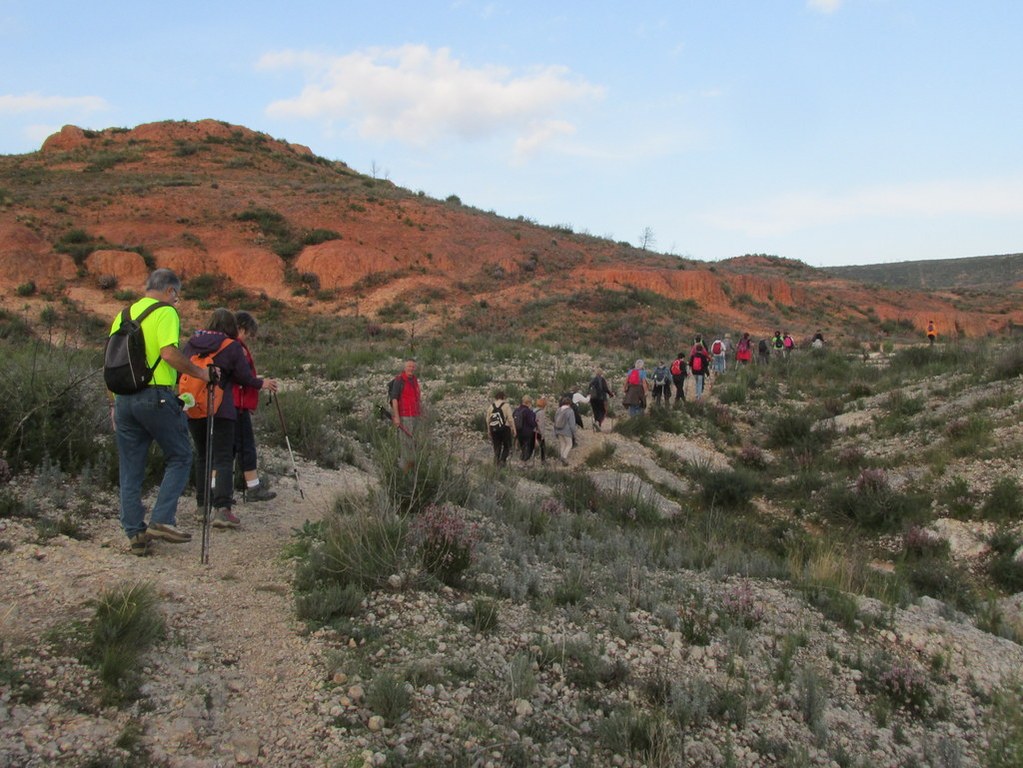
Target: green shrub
x,y
311,428
51,406
1009,364
363,544
873,504
940,579
27,289
484,615
1003,567
324,603
632,732
577,493
418,475
1005,727
732,489
797,430
125,623
1003,502
317,236
389,696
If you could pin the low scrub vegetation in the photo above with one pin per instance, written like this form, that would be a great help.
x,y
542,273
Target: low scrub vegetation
x,y
792,498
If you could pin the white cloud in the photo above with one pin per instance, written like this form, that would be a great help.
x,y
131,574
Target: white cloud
x,y
791,213
35,102
542,133
824,6
416,95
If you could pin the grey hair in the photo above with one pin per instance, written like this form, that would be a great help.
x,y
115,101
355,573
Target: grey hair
x,y
163,279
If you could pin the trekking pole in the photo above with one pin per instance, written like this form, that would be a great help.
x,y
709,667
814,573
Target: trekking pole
x,y
204,553
287,442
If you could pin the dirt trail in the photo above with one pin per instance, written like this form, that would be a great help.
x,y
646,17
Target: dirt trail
x,y
236,680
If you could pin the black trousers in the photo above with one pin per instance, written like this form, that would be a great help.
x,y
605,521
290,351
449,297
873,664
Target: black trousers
x,y
502,441
680,386
223,458
527,441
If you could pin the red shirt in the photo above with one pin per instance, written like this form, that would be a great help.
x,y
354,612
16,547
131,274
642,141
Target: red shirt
x,y
408,394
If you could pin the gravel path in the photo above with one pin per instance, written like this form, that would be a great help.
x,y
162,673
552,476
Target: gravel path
x,y
236,678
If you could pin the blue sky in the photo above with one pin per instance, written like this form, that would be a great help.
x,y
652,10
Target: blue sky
x,y
830,131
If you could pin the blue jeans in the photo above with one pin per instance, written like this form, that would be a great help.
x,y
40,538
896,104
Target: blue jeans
x,y
698,384
152,414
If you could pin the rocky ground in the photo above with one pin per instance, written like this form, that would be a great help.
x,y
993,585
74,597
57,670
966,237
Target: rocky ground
x,y
239,680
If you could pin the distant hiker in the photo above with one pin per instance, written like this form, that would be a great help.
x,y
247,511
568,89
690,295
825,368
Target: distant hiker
x,y
501,427
525,427
678,376
246,400
576,399
778,342
744,350
763,352
817,342
932,333
544,428
718,351
636,388
405,398
788,343
564,428
219,340
697,342
699,363
154,413
599,391
662,384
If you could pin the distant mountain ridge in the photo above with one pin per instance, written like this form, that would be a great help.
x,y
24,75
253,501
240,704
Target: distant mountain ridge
x,y
975,272
262,224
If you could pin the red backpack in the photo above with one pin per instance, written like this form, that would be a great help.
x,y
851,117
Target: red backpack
x,y
634,377
677,367
697,363
717,347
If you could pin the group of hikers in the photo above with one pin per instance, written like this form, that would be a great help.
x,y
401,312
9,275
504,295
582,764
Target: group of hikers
x,y
531,427
156,413
219,355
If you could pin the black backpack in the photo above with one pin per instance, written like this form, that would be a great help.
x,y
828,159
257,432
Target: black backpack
x,y
496,420
125,367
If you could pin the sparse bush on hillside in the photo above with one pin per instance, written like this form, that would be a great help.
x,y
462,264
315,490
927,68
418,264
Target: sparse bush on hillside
x,y
1004,501
798,430
873,504
51,407
414,477
364,543
727,488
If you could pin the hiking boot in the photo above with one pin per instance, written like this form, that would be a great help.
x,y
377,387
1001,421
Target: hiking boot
x,y
169,533
139,544
259,493
224,518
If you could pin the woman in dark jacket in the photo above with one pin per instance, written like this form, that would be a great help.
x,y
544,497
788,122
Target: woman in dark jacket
x,y
234,368
599,392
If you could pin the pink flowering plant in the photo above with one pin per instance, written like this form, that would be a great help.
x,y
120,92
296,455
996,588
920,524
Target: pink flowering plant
x,y
446,542
905,687
741,606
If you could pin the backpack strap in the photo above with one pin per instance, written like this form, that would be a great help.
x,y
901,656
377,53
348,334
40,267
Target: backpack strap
x,y
126,317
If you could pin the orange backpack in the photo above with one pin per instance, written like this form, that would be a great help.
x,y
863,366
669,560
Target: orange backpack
x,y
190,385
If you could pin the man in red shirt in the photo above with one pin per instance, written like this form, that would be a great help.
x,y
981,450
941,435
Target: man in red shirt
x,y
406,408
